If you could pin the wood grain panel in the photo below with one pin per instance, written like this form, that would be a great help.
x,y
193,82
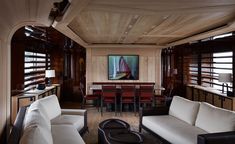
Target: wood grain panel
x,y
97,65
100,68
209,98
143,67
151,69
110,22
217,101
164,4
124,50
195,95
146,22
228,103
189,93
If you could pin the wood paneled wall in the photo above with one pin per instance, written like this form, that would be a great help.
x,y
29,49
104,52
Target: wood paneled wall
x,y
97,64
177,54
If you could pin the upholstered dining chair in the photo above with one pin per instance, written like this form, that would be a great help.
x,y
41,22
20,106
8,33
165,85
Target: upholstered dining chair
x,y
146,94
108,96
94,97
128,96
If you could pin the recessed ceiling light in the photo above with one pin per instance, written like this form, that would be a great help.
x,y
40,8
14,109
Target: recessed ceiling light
x,y
165,17
222,36
28,28
136,17
153,26
27,34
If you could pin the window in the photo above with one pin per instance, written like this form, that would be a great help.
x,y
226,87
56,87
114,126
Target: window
x,y
222,63
207,70
191,69
35,65
210,65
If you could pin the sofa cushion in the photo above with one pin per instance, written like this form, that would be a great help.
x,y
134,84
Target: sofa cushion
x,y
184,109
36,118
172,129
76,120
66,134
35,134
213,119
51,106
38,106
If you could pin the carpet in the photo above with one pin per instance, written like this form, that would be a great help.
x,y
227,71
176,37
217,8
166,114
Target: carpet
x,y
94,118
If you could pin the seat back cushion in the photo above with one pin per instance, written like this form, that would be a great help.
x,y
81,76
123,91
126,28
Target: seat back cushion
x,y
184,109
35,117
51,106
213,119
38,106
35,134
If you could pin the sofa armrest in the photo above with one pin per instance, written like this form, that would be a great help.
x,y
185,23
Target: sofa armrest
x,y
77,112
154,111
151,112
217,138
73,111
17,128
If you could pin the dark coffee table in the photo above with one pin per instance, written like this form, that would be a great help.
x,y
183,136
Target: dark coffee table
x,y
116,131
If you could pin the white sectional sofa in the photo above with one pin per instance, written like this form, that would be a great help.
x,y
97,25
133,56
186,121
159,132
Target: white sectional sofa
x,y
46,123
190,122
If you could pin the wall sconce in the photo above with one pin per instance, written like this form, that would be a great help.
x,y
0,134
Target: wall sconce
x,y
225,78
49,74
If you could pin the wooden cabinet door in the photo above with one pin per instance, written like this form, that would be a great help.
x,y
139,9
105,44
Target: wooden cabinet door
x,y
42,95
209,98
195,94
217,101
51,92
24,101
18,102
189,92
227,103
202,95
58,91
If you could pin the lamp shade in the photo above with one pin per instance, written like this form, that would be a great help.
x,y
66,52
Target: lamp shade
x,y
50,73
225,77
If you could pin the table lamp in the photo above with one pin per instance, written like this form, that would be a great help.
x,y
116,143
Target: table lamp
x,y
225,77
50,74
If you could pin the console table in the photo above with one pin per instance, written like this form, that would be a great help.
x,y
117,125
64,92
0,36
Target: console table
x,y
28,97
210,95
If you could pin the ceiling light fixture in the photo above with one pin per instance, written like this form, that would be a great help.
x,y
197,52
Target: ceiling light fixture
x,y
27,34
28,28
222,36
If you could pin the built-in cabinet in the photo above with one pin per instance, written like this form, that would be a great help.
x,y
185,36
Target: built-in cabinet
x,y
28,97
202,94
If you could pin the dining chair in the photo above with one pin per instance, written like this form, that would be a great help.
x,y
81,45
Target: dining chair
x,y
108,96
146,94
128,96
95,97
168,94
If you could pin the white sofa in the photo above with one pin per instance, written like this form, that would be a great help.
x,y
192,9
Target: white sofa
x,y
190,122
46,123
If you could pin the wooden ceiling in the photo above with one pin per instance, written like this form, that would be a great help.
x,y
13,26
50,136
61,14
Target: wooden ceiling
x,y
147,23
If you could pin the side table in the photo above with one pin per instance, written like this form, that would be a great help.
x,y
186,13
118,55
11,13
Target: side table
x,y
116,131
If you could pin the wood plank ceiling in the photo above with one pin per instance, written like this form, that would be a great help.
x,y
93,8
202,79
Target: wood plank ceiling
x,y
158,23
